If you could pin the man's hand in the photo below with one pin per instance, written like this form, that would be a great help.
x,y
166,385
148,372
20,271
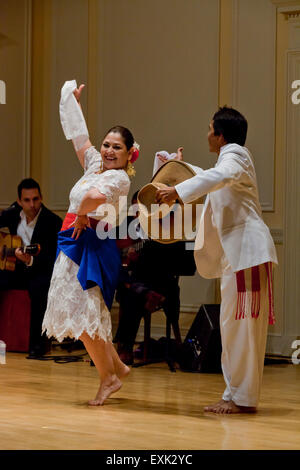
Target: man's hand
x,y
24,257
167,195
81,223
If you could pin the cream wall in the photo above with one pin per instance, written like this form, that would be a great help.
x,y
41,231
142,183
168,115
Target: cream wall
x,y
15,59
161,68
151,60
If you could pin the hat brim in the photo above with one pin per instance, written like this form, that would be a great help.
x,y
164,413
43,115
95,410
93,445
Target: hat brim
x,y
168,223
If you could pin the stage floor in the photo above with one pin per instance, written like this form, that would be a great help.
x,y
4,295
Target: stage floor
x,y
43,406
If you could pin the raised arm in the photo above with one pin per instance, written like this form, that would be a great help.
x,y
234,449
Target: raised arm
x,y
80,152
72,119
226,173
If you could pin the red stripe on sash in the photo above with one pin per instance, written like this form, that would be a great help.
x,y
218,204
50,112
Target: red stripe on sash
x,y
254,291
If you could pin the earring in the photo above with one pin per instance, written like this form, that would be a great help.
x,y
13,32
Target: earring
x,y
130,169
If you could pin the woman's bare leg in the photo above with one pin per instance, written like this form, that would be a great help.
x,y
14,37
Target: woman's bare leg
x,y
101,354
121,369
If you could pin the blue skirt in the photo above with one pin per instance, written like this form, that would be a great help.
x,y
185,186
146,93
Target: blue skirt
x,y
98,260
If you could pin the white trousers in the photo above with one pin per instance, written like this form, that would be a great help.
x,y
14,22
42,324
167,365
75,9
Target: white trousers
x,y
243,342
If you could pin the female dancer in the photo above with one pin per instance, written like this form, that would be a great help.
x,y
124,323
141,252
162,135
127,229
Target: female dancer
x,y
87,268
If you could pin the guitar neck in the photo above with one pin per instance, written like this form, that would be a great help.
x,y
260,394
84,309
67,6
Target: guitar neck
x,y
136,245
32,250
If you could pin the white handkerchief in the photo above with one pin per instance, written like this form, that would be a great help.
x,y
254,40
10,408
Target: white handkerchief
x,y
158,163
71,117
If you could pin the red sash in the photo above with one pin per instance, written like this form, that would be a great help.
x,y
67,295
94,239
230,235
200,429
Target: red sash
x,y
248,287
70,218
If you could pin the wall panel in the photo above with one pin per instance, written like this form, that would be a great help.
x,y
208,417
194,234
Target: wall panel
x,y
15,62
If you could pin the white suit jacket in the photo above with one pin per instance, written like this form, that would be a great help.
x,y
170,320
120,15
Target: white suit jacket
x,y
231,221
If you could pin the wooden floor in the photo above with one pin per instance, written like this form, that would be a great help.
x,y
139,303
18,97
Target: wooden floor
x,y
43,406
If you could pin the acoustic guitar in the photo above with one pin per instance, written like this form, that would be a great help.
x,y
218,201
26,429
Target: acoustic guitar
x,y
127,245
8,245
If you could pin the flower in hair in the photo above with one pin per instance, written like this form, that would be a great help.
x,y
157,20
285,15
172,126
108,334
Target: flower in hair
x,y
136,152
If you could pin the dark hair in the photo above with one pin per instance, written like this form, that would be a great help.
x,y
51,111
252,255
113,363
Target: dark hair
x,y
28,183
125,134
231,124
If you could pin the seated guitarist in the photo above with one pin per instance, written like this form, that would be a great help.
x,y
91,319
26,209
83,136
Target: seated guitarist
x,y
34,223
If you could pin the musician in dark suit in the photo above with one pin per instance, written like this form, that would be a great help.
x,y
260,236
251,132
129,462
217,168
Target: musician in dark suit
x,y
34,223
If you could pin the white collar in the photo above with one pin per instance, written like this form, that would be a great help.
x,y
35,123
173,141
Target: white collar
x,y
33,221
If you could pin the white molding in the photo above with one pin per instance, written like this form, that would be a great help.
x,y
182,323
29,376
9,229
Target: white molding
x,y
286,4
290,11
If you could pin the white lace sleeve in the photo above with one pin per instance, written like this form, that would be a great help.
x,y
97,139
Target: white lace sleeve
x,y
92,160
113,183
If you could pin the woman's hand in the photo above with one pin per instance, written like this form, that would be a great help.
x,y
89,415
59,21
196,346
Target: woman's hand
x,y
79,147
77,92
81,223
179,156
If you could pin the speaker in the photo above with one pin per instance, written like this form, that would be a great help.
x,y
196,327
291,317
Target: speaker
x,y
201,349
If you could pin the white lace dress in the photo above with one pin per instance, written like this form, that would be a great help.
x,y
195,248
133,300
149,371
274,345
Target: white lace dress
x,y
70,309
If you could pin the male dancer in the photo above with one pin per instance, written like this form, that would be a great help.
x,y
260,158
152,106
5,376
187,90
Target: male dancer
x,y
234,243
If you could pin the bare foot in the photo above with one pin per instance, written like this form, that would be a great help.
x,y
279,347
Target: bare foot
x,y
106,389
214,407
229,407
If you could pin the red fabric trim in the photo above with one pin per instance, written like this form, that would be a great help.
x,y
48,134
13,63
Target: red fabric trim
x,y
268,267
241,289
255,301
255,279
70,218
254,291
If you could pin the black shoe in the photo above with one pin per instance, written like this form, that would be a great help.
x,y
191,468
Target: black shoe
x,y
37,352
34,355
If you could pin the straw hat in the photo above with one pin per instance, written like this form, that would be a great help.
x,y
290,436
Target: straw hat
x,y
168,223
